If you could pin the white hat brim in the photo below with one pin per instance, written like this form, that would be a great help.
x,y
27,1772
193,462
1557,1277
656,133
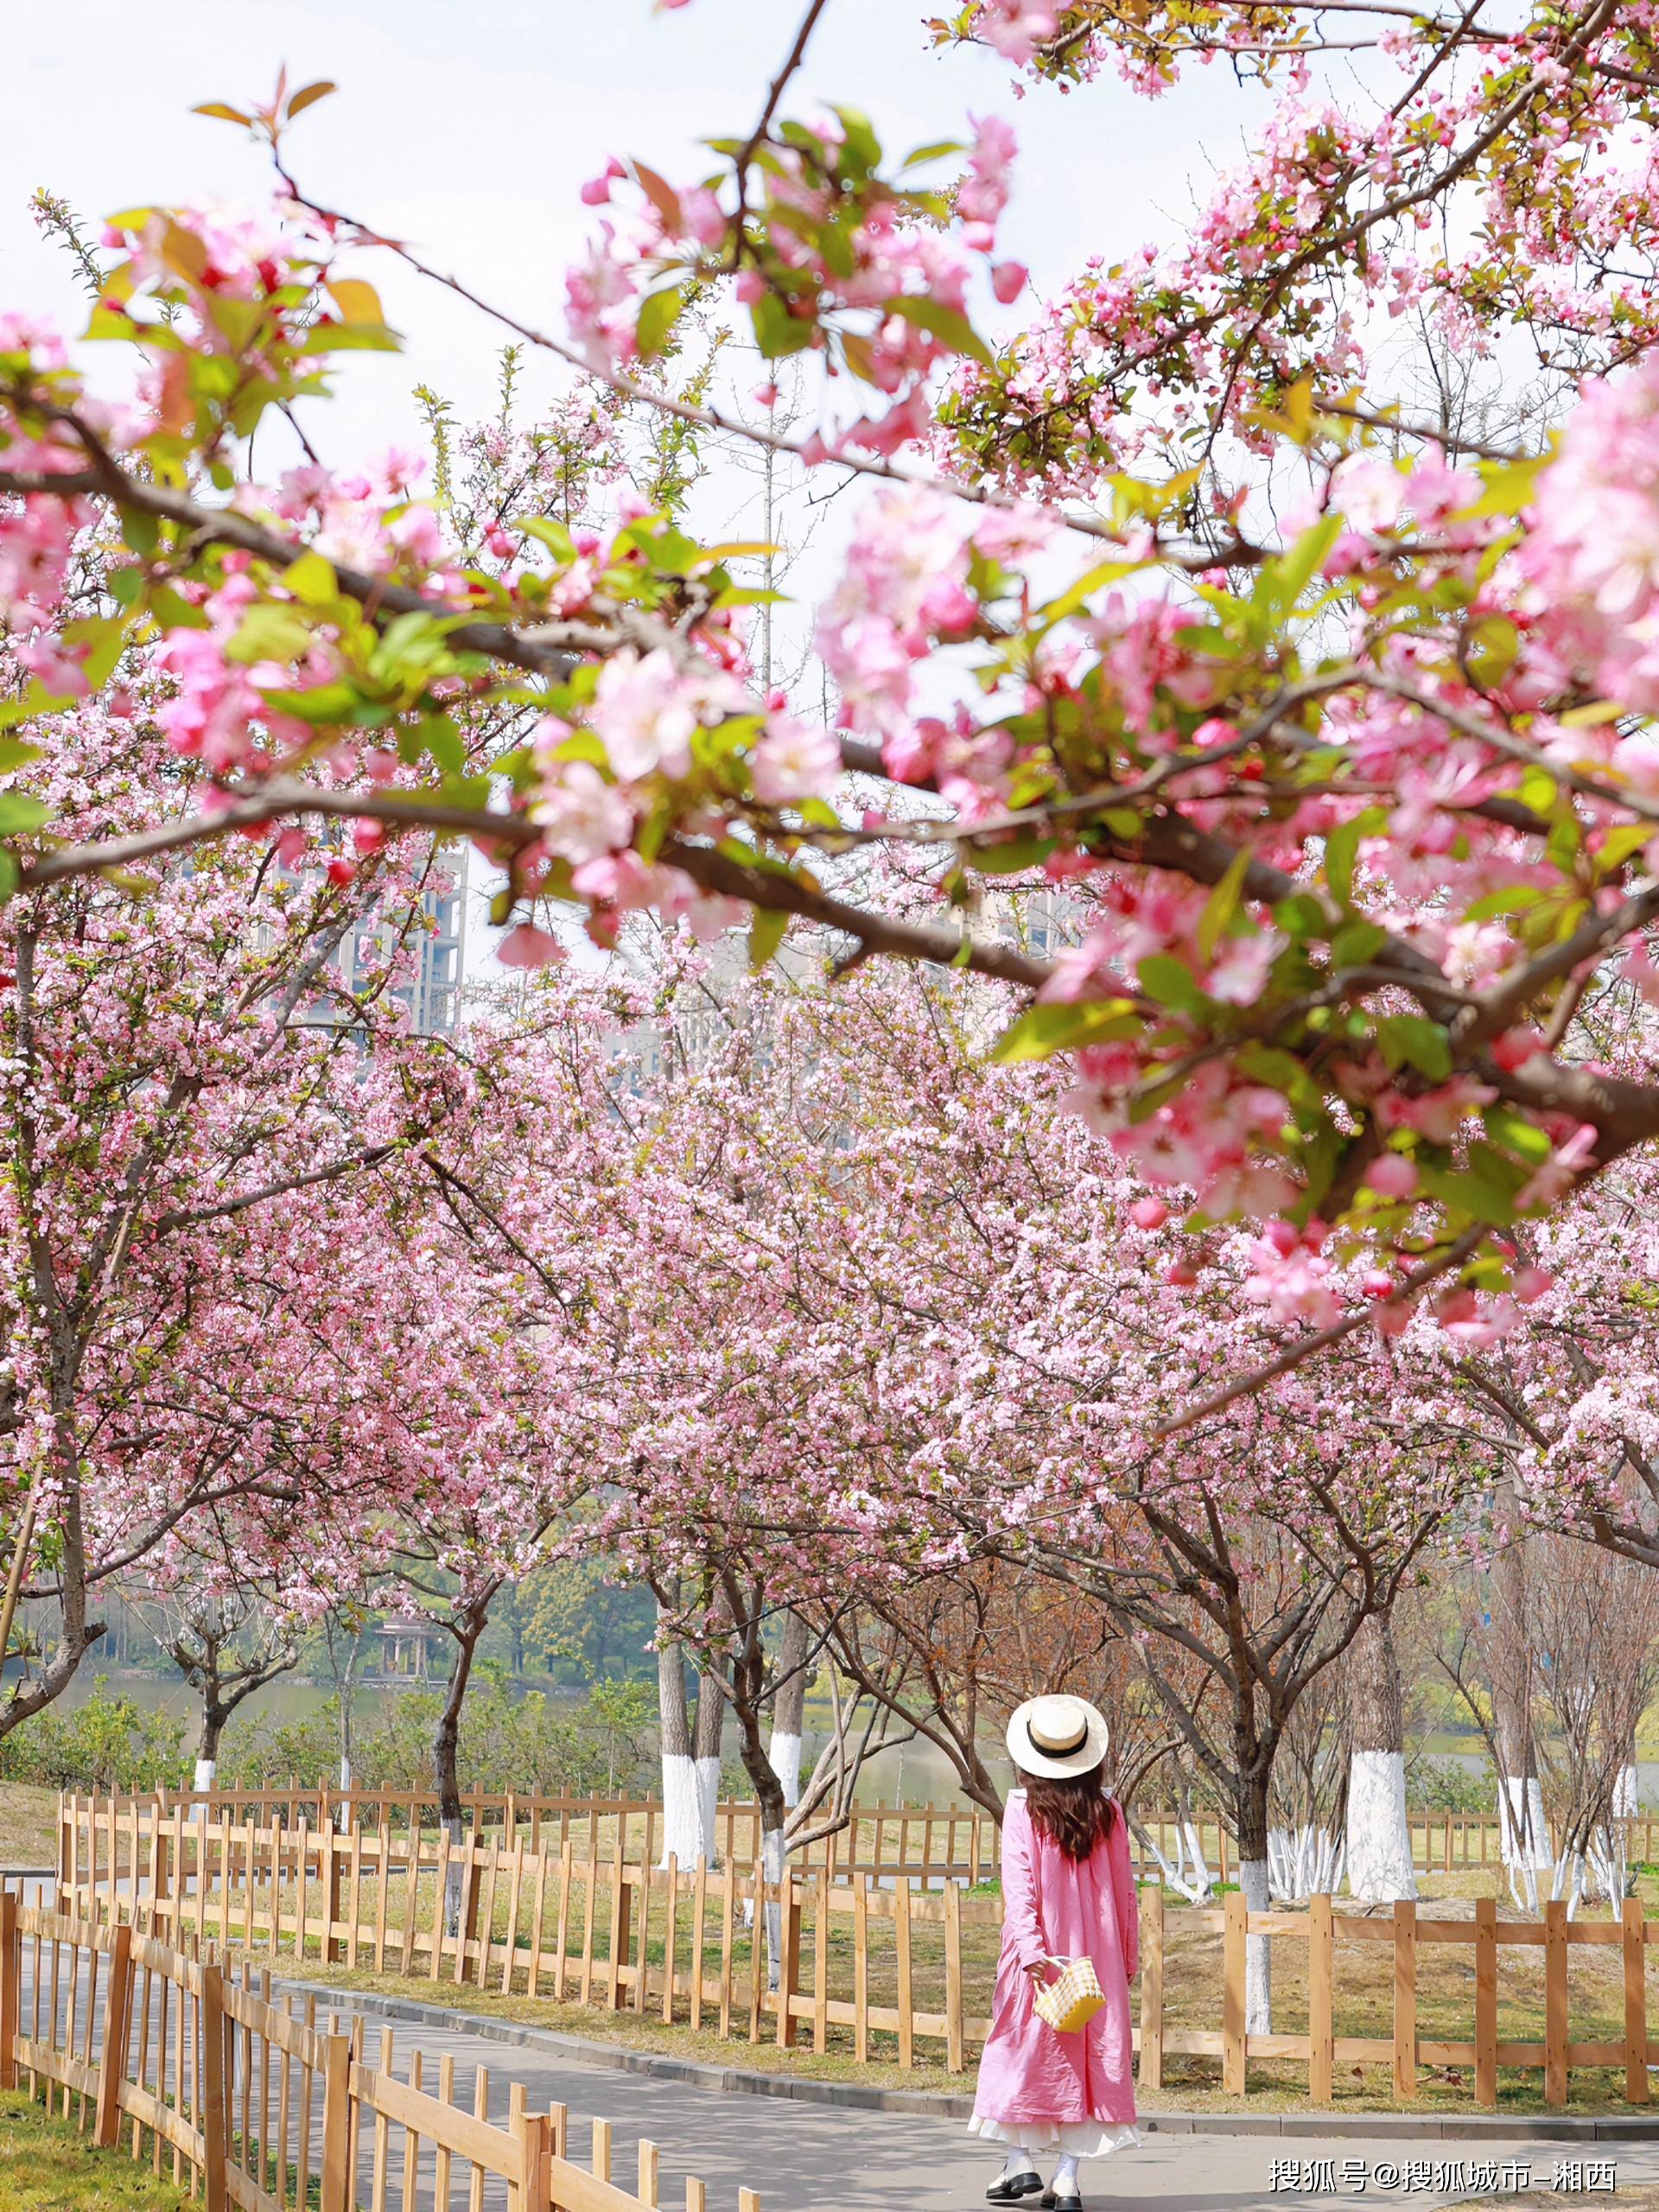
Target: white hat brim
x,y
1027,1757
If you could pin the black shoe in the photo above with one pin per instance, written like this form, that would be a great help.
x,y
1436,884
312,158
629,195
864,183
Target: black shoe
x,y
1013,2188
1052,2203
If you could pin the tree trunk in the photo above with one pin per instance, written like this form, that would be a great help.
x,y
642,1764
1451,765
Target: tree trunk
x,y
711,1721
1627,1784
446,1758
789,1708
681,1830
1254,1883
1524,1830
213,1717
1379,1839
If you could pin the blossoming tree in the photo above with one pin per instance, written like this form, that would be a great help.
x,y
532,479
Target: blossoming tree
x,y
1351,788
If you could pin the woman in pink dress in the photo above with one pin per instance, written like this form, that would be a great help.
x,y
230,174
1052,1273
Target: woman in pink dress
x,y
1067,1893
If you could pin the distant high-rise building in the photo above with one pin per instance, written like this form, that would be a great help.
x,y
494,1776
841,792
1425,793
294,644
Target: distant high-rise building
x,y
432,994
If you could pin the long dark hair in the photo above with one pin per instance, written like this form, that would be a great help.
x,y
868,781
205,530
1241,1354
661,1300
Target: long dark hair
x,y
1074,1811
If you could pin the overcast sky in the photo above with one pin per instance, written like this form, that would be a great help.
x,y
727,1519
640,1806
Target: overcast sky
x,y
467,127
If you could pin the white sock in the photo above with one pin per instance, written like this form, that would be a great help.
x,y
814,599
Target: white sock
x,y
1020,2161
1064,2182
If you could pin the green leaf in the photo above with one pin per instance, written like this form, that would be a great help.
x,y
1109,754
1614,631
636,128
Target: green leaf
x,y
312,580
1514,898
17,752
860,152
1492,648
35,700
1171,982
1356,943
658,314
1301,915
936,152
323,706
948,325
776,331
1042,1030
1282,581
349,338
1281,1071
1412,1040
1505,1127
1222,905
1618,846
19,812
270,631
1509,487
1013,857
1342,850
554,535
766,934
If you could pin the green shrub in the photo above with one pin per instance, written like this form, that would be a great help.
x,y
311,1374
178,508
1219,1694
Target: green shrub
x,y
108,1743
525,1744
1446,1786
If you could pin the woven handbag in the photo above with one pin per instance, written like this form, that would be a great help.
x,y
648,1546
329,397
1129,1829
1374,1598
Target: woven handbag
x,y
1072,2001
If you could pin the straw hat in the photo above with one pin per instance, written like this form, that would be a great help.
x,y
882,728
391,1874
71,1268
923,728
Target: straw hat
x,y
1057,1736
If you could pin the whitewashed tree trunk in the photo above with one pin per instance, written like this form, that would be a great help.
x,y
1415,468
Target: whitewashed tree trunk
x,y
1303,1863
1379,1839
206,1769
1526,1832
1627,1794
1524,1837
711,1717
1188,1874
682,1826
771,1859
789,1709
1253,1882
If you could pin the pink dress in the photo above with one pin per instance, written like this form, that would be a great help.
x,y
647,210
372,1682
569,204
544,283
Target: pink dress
x,y
1036,2087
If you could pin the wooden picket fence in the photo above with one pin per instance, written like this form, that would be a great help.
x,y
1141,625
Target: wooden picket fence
x,y
928,1842
894,1971
197,2072
546,1923
931,1843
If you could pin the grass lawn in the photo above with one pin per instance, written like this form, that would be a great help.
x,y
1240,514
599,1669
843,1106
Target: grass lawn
x,y
45,2167
29,1831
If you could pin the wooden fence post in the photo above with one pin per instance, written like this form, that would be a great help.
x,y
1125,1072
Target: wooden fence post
x,y
621,1928
535,2134
215,2118
901,1963
1321,2044
117,2007
336,2176
955,2056
789,1910
1234,1930
11,1983
1151,1987
333,1948
1405,2000
1556,2002
1486,1999
1636,2003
